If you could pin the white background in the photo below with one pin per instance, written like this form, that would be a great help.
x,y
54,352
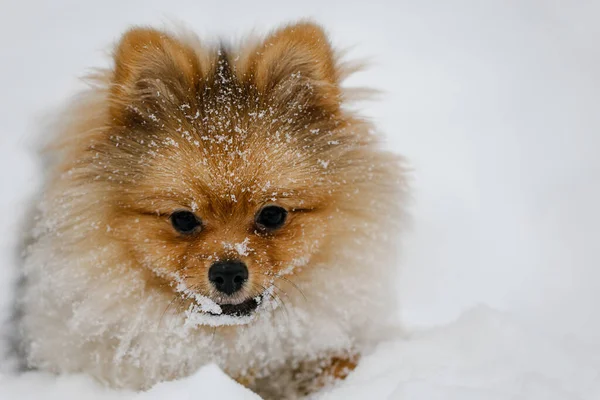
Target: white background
x,y
494,103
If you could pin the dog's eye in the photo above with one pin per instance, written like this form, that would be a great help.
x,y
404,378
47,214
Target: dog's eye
x,y
271,217
185,221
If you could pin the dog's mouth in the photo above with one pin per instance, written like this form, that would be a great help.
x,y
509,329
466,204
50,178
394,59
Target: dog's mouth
x,y
208,312
239,310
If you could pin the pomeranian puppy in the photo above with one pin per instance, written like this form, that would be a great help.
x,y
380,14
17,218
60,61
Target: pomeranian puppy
x,y
214,204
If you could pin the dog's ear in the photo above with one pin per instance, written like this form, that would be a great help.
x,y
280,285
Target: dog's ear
x,y
298,55
150,64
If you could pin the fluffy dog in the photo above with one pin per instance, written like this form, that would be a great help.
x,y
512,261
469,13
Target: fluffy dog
x,y
214,204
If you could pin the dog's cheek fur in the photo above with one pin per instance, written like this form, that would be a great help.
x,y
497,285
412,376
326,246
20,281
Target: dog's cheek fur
x,y
155,247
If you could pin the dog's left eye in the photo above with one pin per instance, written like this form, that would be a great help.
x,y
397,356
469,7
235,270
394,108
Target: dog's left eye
x,y
185,221
271,217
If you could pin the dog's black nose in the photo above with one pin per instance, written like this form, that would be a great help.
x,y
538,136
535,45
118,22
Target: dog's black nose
x,y
228,276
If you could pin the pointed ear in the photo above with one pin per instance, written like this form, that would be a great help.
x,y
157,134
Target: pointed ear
x,y
302,52
148,64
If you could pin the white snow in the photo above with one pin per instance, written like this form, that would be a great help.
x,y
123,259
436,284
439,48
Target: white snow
x,y
241,248
483,355
209,382
496,106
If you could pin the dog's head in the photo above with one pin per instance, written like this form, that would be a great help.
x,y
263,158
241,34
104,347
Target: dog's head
x,y
226,171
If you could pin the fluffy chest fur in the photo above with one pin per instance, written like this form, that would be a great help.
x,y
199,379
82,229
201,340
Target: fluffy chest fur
x,y
115,328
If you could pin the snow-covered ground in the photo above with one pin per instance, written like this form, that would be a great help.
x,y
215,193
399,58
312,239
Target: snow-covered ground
x,y
496,106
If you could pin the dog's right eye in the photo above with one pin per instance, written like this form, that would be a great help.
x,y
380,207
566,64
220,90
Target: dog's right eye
x,y
185,222
271,217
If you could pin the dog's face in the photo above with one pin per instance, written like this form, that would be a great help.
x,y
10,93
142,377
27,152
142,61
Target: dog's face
x,y
225,220
225,172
